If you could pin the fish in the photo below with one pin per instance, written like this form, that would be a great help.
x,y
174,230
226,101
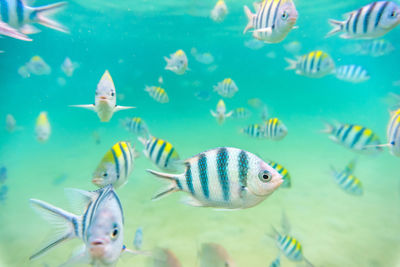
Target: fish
x,y
163,257
276,262
293,47
161,152
287,180
264,113
272,21
138,239
352,73
3,193
203,95
6,30
115,166
393,133
204,58
227,88
368,22
100,226
42,128
275,129
347,181
315,64
220,113
36,65
157,93
355,137
241,113
60,179
177,63
254,130
68,67
136,125
23,72
20,16
214,255
254,44
11,123
376,48
219,12
255,102
105,99
224,177
3,174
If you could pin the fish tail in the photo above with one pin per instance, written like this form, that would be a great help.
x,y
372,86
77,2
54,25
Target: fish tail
x,y
172,187
329,128
67,225
337,27
250,16
292,64
41,16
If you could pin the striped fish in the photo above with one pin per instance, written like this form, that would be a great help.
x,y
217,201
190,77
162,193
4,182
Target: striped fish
x,y
272,21
352,73
355,137
177,63
315,64
116,166
227,88
254,130
368,22
161,152
290,247
157,93
347,181
100,226
42,127
393,133
136,125
19,16
241,113
274,129
224,177
219,11
220,113
377,48
287,180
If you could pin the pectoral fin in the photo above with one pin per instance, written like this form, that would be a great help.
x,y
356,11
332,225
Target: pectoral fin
x,y
91,107
11,32
118,108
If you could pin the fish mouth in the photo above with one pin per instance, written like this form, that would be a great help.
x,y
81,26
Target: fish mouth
x,y
97,248
97,181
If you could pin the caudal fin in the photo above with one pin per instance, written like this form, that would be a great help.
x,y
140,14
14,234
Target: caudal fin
x,y
337,27
66,223
43,19
292,64
329,128
250,16
172,187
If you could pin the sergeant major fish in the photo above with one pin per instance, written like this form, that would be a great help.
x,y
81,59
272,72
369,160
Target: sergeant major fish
x,y
220,114
177,63
218,13
42,128
100,227
315,64
36,65
105,100
157,93
287,180
68,67
136,125
254,130
272,21
393,133
226,88
241,113
275,129
116,166
347,181
368,22
352,73
223,177
376,48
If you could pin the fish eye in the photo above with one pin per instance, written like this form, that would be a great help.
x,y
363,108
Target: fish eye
x,y
112,93
285,15
393,14
265,176
114,232
105,174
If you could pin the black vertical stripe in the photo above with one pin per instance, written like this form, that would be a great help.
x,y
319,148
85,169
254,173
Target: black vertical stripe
x,y
367,16
243,168
222,166
189,178
276,13
355,22
380,13
203,170
125,158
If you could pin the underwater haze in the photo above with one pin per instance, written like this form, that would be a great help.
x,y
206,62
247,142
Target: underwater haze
x,y
130,39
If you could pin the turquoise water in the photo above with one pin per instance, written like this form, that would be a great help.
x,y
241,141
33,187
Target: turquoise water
x,y
130,39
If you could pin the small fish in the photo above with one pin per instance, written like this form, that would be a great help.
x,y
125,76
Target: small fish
x,y
136,125
293,47
254,44
6,30
264,113
68,67
287,180
3,174
100,227
368,22
203,95
19,16
214,255
177,63
255,102
23,72
272,21
354,137
254,130
3,193
347,181
157,93
227,88
220,113
203,58
163,257
241,113
376,48
219,12
11,123
116,166
161,152
105,100
223,177
138,239
38,66
315,64
60,179
42,128
276,262
275,129
352,73
393,133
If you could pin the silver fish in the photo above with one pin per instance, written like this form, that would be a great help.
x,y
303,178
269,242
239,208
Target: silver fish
x,y
220,114
214,255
